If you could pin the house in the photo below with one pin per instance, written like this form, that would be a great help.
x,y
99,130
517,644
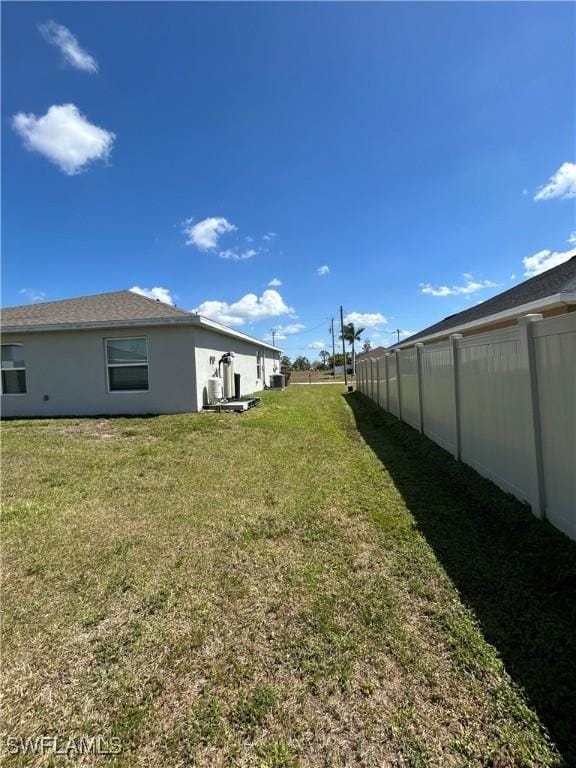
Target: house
x,y
372,353
119,353
551,293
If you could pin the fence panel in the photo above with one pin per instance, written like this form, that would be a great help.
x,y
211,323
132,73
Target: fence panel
x,y
368,384
438,394
502,379
409,387
382,382
555,353
393,385
495,409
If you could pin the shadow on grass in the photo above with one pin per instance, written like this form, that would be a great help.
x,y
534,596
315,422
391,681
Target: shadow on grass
x,y
516,573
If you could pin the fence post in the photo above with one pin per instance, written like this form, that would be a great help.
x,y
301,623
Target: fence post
x,y
378,381
528,365
399,383
454,339
419,349
387,381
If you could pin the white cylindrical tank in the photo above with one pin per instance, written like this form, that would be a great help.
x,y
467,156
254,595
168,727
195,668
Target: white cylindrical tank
x,y
228,374
215,390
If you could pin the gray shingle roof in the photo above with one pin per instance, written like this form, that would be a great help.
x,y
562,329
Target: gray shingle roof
x,y
560,279
376,352
113,307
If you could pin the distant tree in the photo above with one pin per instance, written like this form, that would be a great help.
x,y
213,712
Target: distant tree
x,y
351,334
338,359
285,362
324,355
367,346
301,363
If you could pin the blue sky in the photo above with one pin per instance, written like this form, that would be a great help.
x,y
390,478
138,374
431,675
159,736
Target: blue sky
x,y
422,153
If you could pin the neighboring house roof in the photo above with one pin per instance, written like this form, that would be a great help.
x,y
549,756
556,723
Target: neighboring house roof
x,y
102,307
554,287
107,310
376,352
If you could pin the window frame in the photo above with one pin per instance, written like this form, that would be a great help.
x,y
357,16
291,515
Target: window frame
x,y
259,366
20,368
108,365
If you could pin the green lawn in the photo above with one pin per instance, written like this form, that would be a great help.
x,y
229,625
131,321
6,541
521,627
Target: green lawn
x,y
315,377
308,584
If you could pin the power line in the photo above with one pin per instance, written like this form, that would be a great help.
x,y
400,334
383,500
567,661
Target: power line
x,y
308,330
397,332
276,331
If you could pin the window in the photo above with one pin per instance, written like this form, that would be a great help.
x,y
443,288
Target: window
x,y
259,365
13,370
127,364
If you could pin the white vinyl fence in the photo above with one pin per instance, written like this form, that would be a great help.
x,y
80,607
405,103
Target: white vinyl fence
x,y
503,402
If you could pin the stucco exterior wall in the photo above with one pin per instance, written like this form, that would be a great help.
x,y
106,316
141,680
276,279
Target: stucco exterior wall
x,y
70,368
212,345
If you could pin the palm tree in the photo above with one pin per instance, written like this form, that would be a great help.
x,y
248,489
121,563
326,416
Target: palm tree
x,y
352,335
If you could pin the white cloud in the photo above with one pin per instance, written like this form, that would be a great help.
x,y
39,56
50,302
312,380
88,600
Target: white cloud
x,y
317,345
269,236
572,238
561,184
249,308
161,294
62,38
324,270
33,295
283,331
366,319
470,286
275,283
543,260
206,233
233,255
65,137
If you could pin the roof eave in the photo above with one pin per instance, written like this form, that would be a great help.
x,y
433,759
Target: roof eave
x,y
212,325
192,320
100,324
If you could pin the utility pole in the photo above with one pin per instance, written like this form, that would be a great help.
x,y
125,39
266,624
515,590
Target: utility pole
x,y
398,332
343,345
273,332
333,349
